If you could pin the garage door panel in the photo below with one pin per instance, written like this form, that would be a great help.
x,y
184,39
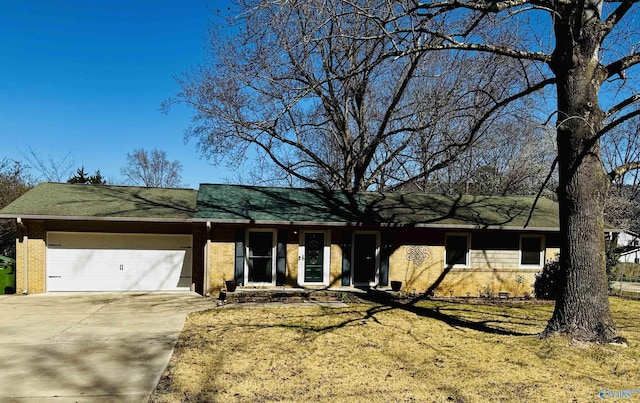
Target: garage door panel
x,y
90,270
118,262
157,270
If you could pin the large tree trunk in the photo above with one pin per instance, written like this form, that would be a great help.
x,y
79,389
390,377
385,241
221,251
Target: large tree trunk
x,y
582,307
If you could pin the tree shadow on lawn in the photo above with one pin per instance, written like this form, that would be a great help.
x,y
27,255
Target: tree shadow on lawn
x,y
385,303
384,299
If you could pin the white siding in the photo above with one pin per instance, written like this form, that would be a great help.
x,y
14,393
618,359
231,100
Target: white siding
x,y
495,259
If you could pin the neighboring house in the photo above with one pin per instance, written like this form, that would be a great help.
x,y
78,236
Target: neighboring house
x,y
627,244
103,238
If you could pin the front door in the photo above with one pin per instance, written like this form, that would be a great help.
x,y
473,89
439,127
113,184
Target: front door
x,y
313,257
364,259
260,258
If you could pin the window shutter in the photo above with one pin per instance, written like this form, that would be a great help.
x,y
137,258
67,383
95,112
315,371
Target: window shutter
x,y
239,257
385,252
346,258
281,258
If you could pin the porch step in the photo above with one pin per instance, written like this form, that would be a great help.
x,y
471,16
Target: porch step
x,y
281,296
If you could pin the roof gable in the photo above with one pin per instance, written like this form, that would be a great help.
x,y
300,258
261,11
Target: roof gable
x,y
85,201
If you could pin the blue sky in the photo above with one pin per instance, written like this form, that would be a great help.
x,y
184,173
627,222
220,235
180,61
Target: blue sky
x,y
85,79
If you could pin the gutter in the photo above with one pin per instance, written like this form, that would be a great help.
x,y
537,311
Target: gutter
x,y
25,256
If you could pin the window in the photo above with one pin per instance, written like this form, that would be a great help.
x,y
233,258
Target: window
x,y
260,257
531,251
457,250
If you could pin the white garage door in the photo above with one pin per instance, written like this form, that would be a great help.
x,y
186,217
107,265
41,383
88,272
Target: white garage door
x,y
118,262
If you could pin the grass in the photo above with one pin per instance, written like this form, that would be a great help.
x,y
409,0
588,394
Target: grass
x,y
435,351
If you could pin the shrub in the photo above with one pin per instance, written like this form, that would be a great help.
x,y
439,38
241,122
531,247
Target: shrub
x,y
548,281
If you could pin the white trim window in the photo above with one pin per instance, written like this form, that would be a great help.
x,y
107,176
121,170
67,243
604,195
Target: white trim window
x,y
457,246
314,256
532,251
260,260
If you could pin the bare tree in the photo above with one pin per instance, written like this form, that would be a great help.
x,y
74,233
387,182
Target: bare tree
x,y
152,169
622,148
13,183
308,92
514,160
296,83
48,168
622,209
583,48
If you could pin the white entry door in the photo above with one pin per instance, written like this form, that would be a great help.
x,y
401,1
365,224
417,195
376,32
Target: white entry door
x,y
118,262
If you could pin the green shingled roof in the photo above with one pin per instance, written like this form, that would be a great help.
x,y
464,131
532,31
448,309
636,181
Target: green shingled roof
x,y
283,205
235,203
71,200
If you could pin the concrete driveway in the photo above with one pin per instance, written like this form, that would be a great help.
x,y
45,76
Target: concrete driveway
x,y
83,347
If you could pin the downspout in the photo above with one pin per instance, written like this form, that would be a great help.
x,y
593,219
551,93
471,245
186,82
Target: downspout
x,y
205,286
25,256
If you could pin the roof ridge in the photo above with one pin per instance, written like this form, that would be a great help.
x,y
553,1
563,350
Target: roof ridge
x,y
113,186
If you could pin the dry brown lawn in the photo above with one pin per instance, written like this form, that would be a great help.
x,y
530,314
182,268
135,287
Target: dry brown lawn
x,y
433,352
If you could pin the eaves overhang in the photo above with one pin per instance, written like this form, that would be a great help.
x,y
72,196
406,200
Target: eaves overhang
x,y
351,224
343,224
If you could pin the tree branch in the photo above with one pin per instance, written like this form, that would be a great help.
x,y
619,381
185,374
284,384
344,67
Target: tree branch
x,y
475,47
486,6
621,65
620,106
616,122
512,98
622,169
616,16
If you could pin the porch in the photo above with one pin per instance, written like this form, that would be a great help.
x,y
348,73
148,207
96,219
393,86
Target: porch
x,y
296,295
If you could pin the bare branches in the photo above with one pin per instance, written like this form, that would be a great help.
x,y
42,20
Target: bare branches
x,y
49,168
614,18
622,152
152,169
317,89
342,93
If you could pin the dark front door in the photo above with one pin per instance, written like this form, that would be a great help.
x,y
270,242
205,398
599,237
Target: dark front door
x,y
364,259
313,257
260,257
